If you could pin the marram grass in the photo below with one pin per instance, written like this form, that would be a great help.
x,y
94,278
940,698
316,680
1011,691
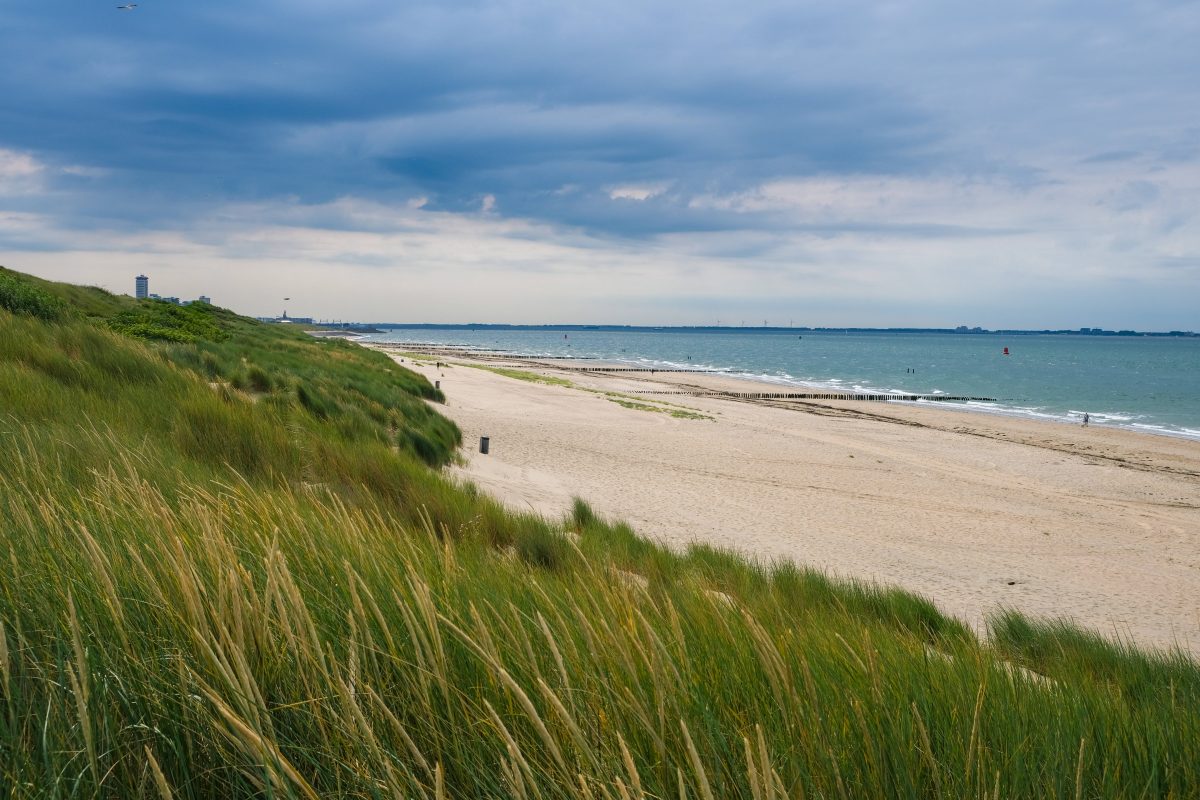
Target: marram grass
x,y
343,622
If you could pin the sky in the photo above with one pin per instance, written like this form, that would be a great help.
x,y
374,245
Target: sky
x,y
1027,164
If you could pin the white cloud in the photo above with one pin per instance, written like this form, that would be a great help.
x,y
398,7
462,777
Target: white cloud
x,y
639,193
20,173
25,174
18,165
1100,219
85,172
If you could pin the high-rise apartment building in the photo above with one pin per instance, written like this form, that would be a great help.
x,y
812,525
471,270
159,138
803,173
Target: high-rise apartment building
x,y
143,287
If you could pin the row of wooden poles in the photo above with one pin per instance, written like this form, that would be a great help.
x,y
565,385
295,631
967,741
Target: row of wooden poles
x,y
634,369
937,398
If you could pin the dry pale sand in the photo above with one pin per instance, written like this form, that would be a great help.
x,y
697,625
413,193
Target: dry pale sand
x,y
976,511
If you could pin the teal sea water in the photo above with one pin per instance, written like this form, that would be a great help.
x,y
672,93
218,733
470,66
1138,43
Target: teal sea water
x,y
1142,383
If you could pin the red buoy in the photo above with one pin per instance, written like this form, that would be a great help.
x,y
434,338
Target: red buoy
x,y
1006,351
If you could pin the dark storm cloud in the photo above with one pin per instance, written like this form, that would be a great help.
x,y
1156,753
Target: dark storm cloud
x,y
185,105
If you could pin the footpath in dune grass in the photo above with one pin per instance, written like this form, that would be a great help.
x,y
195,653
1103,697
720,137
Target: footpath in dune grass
x,y
232,567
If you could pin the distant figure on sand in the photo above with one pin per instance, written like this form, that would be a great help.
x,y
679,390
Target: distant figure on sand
x,y
1086,418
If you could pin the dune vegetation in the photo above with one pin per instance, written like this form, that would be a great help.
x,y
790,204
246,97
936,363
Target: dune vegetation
x,y
232,567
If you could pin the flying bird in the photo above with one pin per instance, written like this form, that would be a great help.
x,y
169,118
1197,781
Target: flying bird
x,y
127,7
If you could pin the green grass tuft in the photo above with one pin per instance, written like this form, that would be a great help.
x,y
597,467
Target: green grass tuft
x,y
161,321
522,375
19,296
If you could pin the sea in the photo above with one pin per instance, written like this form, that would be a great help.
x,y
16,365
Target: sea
x,y
1147,384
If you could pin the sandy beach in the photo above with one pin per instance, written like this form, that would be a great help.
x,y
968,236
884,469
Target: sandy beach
x,y
978,512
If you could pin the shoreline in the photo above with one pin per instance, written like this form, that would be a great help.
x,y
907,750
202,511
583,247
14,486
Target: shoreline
x,y
990,408
1005,427
977,512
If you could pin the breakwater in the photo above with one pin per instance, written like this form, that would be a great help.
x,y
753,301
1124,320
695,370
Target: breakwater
x,y
936,398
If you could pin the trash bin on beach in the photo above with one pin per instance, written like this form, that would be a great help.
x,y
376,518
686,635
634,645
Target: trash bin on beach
x,y
437,384
484,441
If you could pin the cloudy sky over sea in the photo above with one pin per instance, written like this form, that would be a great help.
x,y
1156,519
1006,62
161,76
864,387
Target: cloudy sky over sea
x,y
1025,164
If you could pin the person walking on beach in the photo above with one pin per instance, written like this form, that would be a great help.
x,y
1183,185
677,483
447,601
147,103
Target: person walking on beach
x,y
1085,419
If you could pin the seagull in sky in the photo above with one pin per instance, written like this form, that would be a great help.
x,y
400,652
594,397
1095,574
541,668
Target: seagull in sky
x,y
127,7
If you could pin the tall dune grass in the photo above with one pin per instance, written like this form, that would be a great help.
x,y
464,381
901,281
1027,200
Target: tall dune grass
x,y
211,594
278,641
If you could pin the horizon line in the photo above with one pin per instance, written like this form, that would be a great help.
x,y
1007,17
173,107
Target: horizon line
x,y
959,330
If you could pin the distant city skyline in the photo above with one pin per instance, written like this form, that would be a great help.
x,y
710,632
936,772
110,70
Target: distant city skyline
x,y
141,291
923,164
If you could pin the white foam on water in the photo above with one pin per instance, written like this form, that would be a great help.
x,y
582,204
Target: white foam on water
x,y
1100,419
1112,419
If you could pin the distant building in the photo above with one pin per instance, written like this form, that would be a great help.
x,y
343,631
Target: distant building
x,y
142,292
